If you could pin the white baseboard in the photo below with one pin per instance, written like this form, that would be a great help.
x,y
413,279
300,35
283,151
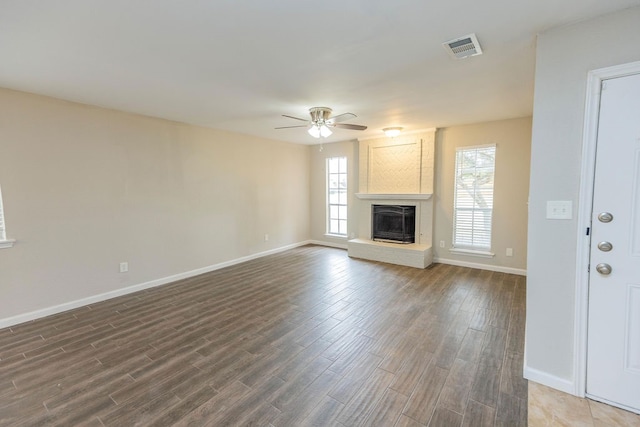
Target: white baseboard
x,y
549,380
498,268
329,244
37,314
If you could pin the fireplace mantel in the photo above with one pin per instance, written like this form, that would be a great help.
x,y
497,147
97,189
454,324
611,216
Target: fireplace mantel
x,y
393,196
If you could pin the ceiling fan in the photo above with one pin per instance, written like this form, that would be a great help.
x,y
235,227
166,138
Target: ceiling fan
x,y
321,121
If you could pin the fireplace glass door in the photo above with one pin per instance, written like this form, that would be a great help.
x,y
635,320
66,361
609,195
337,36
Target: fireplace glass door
x,y
393,223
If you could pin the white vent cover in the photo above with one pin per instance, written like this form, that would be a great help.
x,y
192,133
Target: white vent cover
x,y
463,47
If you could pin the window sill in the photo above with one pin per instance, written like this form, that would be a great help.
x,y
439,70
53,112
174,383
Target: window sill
x,y
472,252
4,244
336,236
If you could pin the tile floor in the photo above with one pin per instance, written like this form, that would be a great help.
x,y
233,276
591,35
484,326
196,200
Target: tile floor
x,y
549,407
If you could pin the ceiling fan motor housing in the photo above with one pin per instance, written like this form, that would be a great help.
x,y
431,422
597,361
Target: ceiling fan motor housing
x,y
320,115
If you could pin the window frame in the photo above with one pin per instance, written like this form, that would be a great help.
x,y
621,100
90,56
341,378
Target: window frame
x,y
339,206
4,241
479,242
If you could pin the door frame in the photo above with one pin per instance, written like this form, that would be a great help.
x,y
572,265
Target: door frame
x,y
595,79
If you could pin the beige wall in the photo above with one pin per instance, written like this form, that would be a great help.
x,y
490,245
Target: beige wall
x,y
348,149
85,188
564,58
513,145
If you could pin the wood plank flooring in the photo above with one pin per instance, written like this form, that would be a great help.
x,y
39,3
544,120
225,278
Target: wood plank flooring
x,y
307,337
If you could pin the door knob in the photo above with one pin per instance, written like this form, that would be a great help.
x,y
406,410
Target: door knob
x,y
605,217
604,269
605,246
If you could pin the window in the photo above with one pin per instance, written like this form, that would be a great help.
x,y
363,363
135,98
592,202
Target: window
x,y
473,199
3,233
337,196
4,242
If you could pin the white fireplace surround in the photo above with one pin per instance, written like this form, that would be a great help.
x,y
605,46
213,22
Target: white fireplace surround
x,y
418,254
396,171
423,218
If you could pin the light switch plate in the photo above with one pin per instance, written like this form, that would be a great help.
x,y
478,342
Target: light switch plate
x,y
559,209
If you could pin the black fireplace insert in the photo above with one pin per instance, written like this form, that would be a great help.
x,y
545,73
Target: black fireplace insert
x,y
393,223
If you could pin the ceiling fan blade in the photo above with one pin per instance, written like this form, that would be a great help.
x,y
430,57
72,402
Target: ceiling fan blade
x,y
341,117
296,118
289,127
348,126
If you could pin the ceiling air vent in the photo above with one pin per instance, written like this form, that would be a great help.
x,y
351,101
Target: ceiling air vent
x,y
463,47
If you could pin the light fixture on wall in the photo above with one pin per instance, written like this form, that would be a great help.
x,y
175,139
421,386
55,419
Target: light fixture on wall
x,y
318,130
392,132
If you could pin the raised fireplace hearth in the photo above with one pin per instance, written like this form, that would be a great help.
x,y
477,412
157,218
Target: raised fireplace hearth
x,y
393,223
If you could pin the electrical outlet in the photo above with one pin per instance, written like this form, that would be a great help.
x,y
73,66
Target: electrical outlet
x,y
509,251
442,243
124,267
266,237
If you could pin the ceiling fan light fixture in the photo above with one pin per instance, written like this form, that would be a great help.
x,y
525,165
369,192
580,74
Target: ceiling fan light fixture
x,y
392,132
325,131
314,131
321,122
318,130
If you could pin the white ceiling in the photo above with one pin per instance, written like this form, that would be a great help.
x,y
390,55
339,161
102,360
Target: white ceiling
x,y
239,64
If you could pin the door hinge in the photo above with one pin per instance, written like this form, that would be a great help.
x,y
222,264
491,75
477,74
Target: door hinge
x,y
588,230
604,85
589,268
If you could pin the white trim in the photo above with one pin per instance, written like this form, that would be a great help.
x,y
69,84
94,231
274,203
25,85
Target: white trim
x,y
552,381
327,191
4,244
471,147
498,268
472,252
395,196
336,236
21,318
329,244
585,203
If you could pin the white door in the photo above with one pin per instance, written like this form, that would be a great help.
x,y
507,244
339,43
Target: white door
x,y
613,358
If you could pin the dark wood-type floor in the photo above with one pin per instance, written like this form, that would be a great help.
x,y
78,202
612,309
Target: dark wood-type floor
x,y
306,337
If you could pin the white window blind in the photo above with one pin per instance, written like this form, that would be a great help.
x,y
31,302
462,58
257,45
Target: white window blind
x,y
3,232
473,200
337,195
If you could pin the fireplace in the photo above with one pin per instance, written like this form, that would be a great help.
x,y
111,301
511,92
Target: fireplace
x,y
393,223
